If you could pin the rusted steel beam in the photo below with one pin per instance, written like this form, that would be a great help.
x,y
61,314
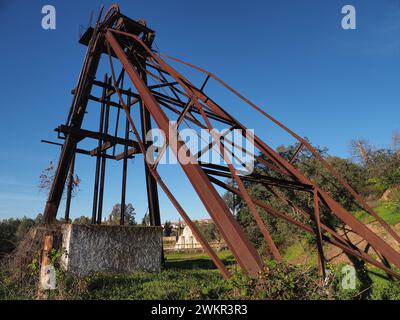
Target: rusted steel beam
x,y
296,153
258,178
199,237
337,241
272,155
204,83
334,173
125,167
318,235
181,117
307,215
103,161
103,147
184,83
173,200
113,104
164,98
336,208
238,242
363,256
188,117
162,85
151,184
45,260
360,200
162,78
125,92
75,119
160,70
362,230
69,189
261,224
241,148
98,157
127,154
87,152
263,205
96,135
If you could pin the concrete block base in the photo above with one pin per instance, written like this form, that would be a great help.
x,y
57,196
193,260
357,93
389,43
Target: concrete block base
x,y
117,249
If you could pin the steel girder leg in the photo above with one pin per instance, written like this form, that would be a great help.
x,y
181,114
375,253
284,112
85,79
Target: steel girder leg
x,y
236,239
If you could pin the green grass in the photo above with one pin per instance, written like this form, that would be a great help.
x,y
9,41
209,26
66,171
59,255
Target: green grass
x,y
182,283
183,278
293,252
187,260
363,216
387,210
186,276
169,284
380,282
298,249
194,275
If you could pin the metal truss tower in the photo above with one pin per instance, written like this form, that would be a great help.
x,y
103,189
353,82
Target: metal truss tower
x,y
119,38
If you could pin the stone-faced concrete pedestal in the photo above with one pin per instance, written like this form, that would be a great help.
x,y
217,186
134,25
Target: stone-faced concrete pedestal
x,y
117,249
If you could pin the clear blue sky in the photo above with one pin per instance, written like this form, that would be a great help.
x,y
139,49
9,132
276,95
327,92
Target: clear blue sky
x,y
291,57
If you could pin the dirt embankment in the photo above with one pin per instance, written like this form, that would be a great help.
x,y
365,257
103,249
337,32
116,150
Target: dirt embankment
x,y
336,256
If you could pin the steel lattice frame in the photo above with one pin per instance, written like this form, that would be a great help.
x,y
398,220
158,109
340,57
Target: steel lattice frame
x,y
129,41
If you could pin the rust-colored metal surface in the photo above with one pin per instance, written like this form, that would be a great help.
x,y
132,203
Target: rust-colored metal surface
x,y
163,97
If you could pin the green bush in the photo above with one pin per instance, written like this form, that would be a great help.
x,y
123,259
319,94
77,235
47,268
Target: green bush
x,y
341,293
391,292
395,198
277,281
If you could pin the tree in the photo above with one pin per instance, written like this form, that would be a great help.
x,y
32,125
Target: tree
x,y
8,238
209,231
129,214
381,166
82,220
283,233
39,219
396,142
146,219
47,176
306,163
23,228
12,231
361,150
384,169
231,199
167,228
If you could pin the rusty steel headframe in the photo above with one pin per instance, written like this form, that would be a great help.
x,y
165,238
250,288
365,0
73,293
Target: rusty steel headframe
x,y
130,42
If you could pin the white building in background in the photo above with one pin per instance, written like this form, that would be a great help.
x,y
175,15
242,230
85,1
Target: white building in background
x,y
187,240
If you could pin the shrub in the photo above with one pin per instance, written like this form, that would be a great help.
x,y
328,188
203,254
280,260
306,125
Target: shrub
x,y
395,198
391,292
360,290
278,281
